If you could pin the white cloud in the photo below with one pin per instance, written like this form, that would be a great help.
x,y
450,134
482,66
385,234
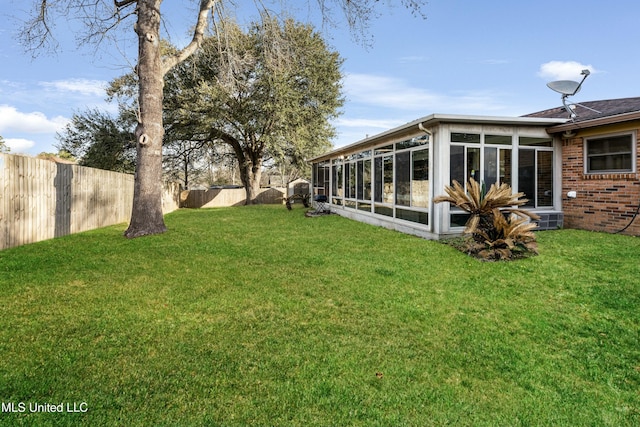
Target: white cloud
x,y
395,94
385,91
366,123
350,130
19,145
413,59
12,120
83,87
495,61
377,103
563,70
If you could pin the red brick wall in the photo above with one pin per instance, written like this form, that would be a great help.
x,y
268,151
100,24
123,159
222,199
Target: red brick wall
x,y
604,202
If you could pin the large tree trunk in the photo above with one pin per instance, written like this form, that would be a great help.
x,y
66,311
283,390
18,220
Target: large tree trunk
x,y
146,216
252,185
250,174
248,181
250,165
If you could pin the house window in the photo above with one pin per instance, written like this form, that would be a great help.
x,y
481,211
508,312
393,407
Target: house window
x,y
494,154
359,179
465,159
420,178
465,164
609,154
403,178
350,180
497,166
489,160
387,189
364,184
321,178
394,179
366,180
535,171
412,182
377,171
337,179
383,172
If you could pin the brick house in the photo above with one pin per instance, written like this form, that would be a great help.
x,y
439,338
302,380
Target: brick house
x,y
580,173
600,164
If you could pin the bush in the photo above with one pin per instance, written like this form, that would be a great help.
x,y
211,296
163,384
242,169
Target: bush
x,y
498,228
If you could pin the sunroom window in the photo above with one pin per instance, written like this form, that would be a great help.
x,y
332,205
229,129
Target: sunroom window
x,y
535,177
337,171
535,171
321,178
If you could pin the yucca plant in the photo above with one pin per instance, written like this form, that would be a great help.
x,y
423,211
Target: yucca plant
x,y
497,224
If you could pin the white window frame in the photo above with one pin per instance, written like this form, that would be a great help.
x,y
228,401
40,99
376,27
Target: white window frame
x,y
633,143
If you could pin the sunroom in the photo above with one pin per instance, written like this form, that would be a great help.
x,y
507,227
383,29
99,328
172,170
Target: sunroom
x,y
390,179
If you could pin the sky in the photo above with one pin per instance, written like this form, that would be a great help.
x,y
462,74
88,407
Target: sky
x,y
491,57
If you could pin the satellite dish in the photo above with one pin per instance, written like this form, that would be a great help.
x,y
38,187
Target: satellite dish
x,y
568,88
565,87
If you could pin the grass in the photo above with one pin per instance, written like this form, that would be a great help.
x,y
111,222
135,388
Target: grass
x,y
260,316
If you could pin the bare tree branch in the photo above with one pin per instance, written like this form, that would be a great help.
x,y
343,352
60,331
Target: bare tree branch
x,y
198,36
37,33
99,18
123,3
99,29
360,13
43,16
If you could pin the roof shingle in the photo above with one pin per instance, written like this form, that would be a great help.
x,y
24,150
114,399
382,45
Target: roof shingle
x,y
604,108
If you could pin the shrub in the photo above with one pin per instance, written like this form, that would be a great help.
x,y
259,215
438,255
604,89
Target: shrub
x,y
499,229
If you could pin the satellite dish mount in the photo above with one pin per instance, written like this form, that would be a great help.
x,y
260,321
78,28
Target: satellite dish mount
x,y
568,88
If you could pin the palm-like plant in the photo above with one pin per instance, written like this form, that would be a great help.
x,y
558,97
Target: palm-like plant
x,y
489,224
515,234
484,207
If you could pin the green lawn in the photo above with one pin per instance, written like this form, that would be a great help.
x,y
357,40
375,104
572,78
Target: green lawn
x,y
261,316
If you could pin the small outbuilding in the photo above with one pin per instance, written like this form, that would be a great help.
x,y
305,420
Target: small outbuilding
x,y
298,186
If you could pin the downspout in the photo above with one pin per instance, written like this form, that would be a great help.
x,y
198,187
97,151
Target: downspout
x,y
432,216
425,130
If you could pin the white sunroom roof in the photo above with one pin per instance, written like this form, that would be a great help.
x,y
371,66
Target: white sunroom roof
x,y
435,119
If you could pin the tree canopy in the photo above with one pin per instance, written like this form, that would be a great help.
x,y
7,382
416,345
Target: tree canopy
x,y
269,93
4,148
100,17
100,141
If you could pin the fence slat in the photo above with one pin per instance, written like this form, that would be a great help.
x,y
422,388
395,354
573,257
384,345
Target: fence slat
x,y
228,197
3,203
40,199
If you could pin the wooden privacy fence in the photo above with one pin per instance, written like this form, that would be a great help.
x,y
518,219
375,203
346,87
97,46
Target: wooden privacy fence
x,y
219,197
41,199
